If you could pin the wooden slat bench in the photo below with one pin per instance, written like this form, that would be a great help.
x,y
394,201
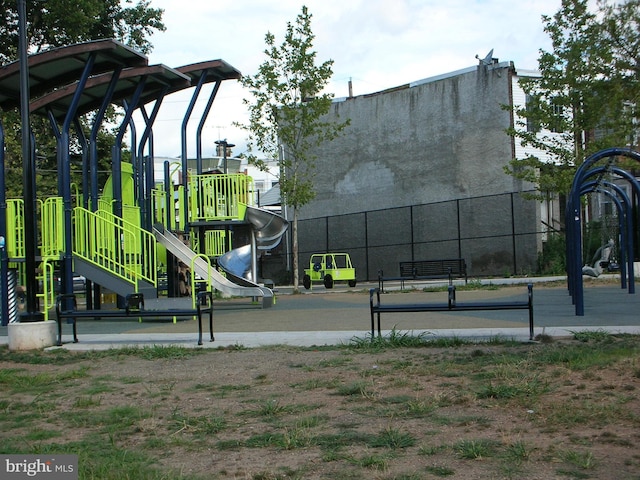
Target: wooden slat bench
x,y
134,309
450,306
427,270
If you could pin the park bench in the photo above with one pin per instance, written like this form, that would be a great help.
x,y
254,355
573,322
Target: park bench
x,y
67,309
450,306
427,270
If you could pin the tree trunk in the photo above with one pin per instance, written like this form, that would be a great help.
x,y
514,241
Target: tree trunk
x,y
294,248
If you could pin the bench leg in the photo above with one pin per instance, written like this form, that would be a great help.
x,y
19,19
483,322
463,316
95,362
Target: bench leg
x,y
372,324
530,295
75,332
59,342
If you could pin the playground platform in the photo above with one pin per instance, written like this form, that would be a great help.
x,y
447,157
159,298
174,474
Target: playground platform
x,y
337,316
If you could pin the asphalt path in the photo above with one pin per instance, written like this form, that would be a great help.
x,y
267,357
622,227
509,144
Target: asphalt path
x,y
325,316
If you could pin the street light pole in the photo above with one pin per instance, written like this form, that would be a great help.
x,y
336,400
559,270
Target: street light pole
x,y
32,314
224,145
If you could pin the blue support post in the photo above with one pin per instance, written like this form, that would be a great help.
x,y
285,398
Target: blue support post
x,y
64,170
4,257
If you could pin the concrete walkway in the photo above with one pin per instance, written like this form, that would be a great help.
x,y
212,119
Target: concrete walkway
x,y
331,317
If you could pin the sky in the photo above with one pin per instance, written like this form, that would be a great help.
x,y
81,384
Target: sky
x,y
377,44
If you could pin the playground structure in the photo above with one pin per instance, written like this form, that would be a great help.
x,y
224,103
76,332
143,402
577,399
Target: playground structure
x,y
594,177
122,236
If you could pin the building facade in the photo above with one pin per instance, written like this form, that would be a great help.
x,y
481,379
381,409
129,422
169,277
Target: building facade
x,y
419,175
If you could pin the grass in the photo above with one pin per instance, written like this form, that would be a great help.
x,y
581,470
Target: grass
x,y
401,406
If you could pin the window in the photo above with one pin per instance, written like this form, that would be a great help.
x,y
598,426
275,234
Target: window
x,y
556,118
531,107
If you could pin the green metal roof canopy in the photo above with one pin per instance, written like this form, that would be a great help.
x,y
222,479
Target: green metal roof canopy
x,y
61,66
157,78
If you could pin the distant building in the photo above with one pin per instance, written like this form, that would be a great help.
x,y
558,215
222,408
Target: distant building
x,y
419,174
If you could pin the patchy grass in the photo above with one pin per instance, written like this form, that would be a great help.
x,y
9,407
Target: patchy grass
x,y
396,407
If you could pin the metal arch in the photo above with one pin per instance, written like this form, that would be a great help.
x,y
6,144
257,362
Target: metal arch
x,y
183,148
145,169
573,218
203,72
625,224
65,168
573,254
203,119
92,170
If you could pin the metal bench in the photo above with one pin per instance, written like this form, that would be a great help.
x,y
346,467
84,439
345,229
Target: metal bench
x,y
67,309
427,270
450,306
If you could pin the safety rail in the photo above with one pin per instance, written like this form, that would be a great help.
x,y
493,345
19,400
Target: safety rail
x,y
113,244
159,202
46,276
217,242
219,197
52,216
15,228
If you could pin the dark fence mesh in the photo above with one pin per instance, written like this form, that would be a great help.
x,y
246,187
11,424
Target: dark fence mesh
x,y
496,235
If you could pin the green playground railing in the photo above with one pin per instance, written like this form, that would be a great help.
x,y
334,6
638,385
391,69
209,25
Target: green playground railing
x,y
219,197
46,277
115,245
159,206
52,227
217,242
15,228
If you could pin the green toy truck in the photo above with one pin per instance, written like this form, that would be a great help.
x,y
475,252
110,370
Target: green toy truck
x,y
329,268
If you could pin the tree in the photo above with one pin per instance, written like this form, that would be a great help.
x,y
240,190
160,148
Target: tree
x,y
56,23
579,103
286,115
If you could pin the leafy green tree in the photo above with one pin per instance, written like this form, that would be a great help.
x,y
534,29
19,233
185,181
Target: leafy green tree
x,y
287,115
586,95
55,23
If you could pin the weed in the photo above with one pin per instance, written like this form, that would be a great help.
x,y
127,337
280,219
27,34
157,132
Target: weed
x,y
583,460
373,461
440,470
392,438
599,335
476,449
354,389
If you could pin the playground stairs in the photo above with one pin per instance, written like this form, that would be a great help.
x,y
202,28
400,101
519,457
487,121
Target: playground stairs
x,y
113,282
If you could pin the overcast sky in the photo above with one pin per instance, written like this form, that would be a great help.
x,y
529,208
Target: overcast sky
x,y
377,44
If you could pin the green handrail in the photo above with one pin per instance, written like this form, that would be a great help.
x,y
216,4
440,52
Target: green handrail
x,y
118,246
52,227
46,276
15,228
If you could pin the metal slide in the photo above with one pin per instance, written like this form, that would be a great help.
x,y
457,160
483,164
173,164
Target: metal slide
x,y
268,229
202,268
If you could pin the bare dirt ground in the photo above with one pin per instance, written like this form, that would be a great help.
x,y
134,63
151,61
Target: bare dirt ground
x,y
533,411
